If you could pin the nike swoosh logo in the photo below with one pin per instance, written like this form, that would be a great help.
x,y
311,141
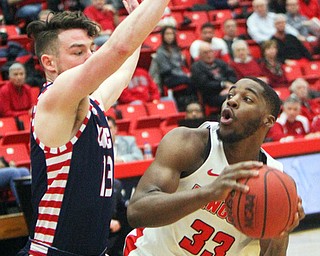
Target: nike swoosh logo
x,y
211,173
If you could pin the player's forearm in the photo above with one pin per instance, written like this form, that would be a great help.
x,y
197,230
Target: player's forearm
x,y
274,247
160,209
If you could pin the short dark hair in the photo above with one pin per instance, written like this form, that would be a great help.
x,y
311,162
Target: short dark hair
x,y
271,97
207,25
45,33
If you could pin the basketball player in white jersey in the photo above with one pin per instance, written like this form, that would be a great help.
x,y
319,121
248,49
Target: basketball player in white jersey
x,y
179,201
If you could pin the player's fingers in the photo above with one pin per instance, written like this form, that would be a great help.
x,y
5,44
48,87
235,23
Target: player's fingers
x,y
247,165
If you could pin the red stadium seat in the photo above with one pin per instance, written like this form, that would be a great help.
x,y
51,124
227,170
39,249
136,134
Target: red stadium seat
x,y
171,122
18,137
219,16
283,92
18,153
311,71
26,121
292,72
123,126
7,124
132,111
152,41
162,109
185,38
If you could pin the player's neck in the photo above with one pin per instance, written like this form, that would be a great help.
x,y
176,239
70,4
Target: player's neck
x,y
238,152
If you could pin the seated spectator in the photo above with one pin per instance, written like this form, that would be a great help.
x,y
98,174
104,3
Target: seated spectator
x,y
310,99
243,63
271,67
195,115
299,22
289,47
105,15
261,22
172,67
290,124
212,77
141,89
8,173
217,44
230,34
125,147
15,95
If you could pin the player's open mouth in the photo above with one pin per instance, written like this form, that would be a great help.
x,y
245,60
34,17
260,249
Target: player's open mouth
x,y
226,116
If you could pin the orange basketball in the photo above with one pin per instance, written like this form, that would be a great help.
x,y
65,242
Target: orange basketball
x,y
269,206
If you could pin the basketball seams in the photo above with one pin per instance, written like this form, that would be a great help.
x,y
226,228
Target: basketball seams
x,y
288,196
265,202
238,206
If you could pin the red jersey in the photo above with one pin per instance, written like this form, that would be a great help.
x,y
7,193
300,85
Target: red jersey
x,y
250,68
103,18
15,101
282,128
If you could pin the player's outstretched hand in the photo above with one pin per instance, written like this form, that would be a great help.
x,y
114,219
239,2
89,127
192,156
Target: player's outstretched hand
x,y
227,180
130,5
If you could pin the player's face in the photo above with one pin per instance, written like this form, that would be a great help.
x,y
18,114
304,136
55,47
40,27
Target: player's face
x,y
243,111
74,49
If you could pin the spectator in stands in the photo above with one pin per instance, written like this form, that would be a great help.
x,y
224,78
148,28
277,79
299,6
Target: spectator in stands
x,y
218,44
289,47
261,22
270,65
212,77
15,95
172,67
230,34
310,8
243,63
298,21
194,110
105,15
310,99
125,147
141,89
290,124
8,173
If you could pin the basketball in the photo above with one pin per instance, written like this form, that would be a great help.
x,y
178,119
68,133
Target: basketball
x,y
269,206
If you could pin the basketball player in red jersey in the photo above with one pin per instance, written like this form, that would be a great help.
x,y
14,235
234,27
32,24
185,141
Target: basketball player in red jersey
x,y
71,148
180,198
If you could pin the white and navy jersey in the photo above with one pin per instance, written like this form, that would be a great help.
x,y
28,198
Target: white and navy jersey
x,y
72,189
207,231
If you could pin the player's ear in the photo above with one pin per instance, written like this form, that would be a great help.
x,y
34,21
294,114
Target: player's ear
x,y
269,120
47,62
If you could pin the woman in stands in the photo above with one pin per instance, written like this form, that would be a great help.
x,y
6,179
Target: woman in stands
x,y
172,66
271,66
